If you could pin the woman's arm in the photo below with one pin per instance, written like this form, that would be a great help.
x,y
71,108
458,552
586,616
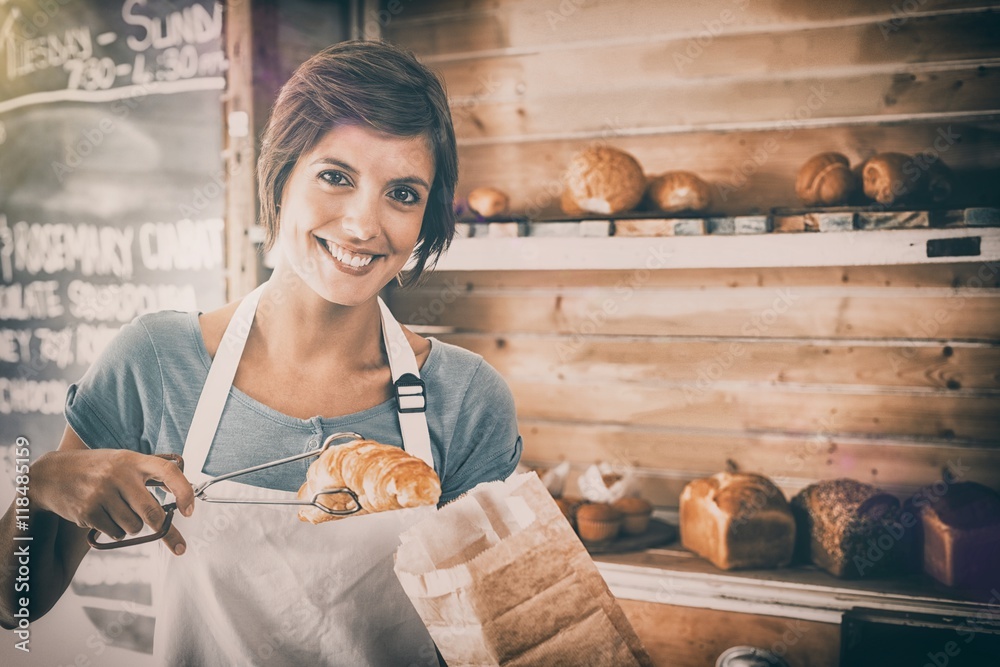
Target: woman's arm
x,y
73,490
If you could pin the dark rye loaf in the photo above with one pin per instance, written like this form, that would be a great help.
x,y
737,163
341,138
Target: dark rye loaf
x,y
961,534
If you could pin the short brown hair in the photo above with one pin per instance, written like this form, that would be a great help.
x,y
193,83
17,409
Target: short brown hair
x,y
368,83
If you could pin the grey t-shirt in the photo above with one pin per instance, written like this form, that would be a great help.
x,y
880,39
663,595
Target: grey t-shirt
x,y
142,392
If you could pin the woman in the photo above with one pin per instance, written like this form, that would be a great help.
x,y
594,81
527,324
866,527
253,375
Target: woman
x,y
356,174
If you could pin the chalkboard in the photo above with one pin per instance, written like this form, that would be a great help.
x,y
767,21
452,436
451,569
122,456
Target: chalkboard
x,y
111,186
112,192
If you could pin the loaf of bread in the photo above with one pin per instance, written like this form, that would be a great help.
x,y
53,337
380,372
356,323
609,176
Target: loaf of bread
x,y
605,180
845,527
679,192
826,180
383,477
961,534
488,202
891,178
737,520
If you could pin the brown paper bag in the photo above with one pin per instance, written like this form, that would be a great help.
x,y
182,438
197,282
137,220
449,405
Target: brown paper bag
x,y
500,578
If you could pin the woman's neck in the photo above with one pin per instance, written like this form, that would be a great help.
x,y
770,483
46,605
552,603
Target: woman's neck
x,y
297,326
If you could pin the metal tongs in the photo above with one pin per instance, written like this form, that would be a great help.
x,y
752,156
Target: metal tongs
x,y
199,492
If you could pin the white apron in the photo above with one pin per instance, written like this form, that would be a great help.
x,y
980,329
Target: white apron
x,y
257,586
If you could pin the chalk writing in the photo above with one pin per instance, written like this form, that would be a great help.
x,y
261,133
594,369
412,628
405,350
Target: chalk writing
x,y
15,346
80,345
37,300
182,45
191,25
26,56
25,396
56,345
122,302
92,250
184,245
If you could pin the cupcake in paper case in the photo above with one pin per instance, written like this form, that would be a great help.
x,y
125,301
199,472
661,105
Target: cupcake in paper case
x,y
635,514
598,522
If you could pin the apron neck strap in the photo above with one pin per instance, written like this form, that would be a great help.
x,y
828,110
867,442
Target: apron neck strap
x,y
216,390
411,395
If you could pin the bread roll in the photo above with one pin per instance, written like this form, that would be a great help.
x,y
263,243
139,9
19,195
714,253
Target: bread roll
x,y
679,191
568,205
961,534
840,524
605,180
940,183
384,477
488,202
890,178
737,520
826,180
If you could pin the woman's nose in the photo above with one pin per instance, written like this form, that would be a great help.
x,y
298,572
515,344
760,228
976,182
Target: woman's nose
x,y
362,219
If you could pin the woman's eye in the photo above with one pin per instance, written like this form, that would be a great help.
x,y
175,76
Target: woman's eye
x,y
405,195
334,178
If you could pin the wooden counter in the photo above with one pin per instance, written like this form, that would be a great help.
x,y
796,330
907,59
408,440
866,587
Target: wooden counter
x,y
687,612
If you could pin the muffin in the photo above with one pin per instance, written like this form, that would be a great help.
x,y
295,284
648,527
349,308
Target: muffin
x,y
598,522
635,514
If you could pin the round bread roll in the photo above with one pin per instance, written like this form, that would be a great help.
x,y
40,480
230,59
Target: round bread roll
x,y
677,191
568,205
886,179
826,180
941,183
488,202
605,180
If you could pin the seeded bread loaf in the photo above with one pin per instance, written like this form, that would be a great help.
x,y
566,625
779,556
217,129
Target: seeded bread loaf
x,y
846,527
737,520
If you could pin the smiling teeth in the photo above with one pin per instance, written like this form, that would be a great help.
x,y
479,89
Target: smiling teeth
x,y
345,257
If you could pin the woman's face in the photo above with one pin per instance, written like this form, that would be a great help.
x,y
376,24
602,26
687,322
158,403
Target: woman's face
x,y
352,209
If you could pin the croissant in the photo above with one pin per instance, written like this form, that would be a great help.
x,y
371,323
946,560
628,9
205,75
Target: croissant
x,y
383,477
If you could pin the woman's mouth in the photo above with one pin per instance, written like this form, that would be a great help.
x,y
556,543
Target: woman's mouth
x,y
350,262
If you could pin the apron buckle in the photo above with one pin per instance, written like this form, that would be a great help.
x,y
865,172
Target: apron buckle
x,y
411,394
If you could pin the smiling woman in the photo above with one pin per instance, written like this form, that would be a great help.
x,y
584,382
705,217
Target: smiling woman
x,y
356,176
376,92
354,204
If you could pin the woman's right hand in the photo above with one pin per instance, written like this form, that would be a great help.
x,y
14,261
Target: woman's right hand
x,y
106,489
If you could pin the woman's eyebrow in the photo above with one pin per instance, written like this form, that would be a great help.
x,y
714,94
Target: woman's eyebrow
x,y
336,163
410,180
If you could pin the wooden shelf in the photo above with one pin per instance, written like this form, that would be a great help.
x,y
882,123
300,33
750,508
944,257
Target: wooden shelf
x,y
674,576
849,248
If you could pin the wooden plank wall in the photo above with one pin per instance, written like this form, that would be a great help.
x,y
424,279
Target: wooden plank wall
x,y
883,374
740,92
